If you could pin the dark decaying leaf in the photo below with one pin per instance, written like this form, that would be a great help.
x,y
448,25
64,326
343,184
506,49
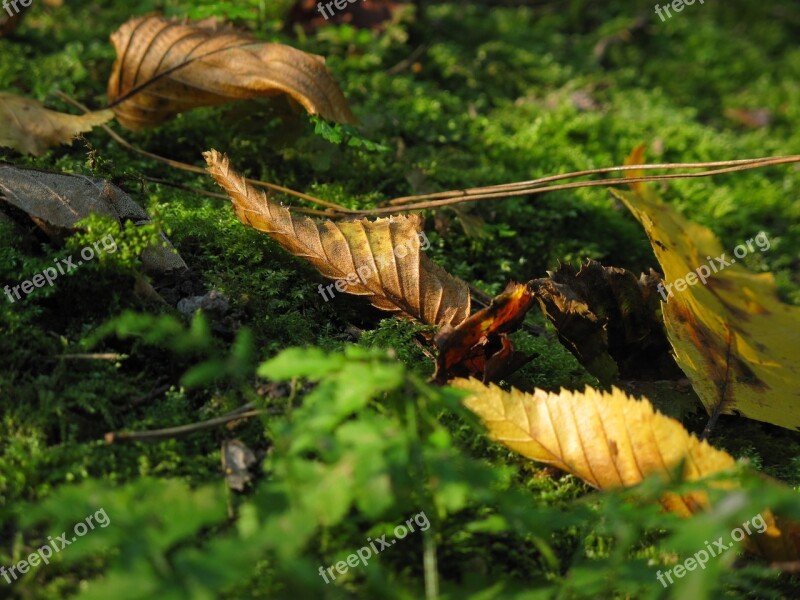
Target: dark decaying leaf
x,y
479,346
56,202
165,67
364,254
609,320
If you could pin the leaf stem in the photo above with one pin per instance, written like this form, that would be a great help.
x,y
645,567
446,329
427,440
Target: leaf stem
x,y
192,168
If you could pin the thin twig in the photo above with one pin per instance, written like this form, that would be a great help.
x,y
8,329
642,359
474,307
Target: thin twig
x,y
187,188
96,356
193,169
533,183
173,432
305,211
409,60
151,396
507,191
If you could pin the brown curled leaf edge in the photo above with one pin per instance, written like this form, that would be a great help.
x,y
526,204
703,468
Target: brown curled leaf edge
x,y
165,67
382,260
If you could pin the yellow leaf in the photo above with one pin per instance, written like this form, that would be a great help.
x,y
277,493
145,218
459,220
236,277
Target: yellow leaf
x,y
733,337
27,126
382,260
608,440
166,67
611,440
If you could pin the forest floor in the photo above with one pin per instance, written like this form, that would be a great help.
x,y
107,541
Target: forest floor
x,y
467,95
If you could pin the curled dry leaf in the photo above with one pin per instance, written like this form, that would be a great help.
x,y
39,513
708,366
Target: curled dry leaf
x,y
733,337
609,320
380,259
611,440
480,345
27,126
165,67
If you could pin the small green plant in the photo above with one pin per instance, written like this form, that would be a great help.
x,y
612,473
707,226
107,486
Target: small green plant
x,y
129,239
338,133
366,445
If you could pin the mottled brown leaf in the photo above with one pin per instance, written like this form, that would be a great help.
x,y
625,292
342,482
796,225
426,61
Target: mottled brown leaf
x,y
165,67
380,259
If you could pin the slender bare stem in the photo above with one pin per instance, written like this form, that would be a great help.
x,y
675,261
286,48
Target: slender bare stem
x,y
156,435
508,190
460,196
192,168
533,183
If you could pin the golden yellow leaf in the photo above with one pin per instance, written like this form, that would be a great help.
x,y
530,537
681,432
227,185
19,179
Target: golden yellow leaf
x,y
733,337
607,439
382,260
165,67
611,440
27,126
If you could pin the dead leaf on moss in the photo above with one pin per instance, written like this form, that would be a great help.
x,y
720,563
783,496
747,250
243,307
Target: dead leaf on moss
x,y
609,320
610,440
479,345
27,126
733,337
165,67
380,259
56,202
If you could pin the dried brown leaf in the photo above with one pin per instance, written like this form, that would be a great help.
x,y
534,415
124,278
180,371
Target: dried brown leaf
x,y
56,202
366,254
165,67
609,320
479,345
27,126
